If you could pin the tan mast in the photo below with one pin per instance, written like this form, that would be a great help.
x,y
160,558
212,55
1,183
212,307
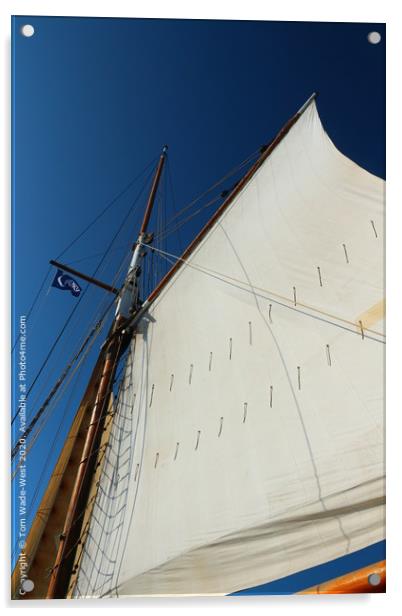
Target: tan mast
x,y
39,553
62,569
64,502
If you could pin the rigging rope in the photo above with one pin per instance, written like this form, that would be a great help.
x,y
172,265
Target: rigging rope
x,y
97,254
212,187
61,393
181,223
33,304
48,459
84,292
102,304
104,446
117,436
230,280
95,330
54,440
42,425
57,385
93,451
45,407
107,207
170,180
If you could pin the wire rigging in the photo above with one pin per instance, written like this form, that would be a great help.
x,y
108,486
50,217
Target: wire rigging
x,y
81,234
55,400
97,316
236,282
59,382
174,207
50,452
212,187
181,223
92,256
78,367
106,208
39,429
31,309
85,290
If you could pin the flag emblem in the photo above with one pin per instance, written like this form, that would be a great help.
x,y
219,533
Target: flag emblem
x,y
65,283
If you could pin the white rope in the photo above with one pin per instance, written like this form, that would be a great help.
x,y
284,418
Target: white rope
x,y
230,280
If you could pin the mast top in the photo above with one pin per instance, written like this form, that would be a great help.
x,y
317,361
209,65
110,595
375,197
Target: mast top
x,y
128,300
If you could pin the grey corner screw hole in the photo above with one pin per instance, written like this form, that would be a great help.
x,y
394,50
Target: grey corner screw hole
x,y
27,30
374,38
27,585
374,579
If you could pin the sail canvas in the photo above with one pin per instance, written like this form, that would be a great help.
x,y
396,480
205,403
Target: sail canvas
x,y
255,418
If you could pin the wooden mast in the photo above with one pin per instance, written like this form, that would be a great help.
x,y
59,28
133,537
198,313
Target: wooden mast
x,y
127,305
41,549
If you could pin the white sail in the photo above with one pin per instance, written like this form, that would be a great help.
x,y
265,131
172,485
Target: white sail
x,y
248,439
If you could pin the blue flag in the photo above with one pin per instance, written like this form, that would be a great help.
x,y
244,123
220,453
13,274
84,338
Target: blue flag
x,y
66,283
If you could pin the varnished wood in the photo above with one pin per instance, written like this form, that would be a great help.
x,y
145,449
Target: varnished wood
x,y
354,582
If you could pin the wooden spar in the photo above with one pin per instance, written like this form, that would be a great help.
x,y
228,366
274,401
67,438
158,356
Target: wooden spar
x,y
63,566
152,194
239,187
40,550
72,525
98,283
354,582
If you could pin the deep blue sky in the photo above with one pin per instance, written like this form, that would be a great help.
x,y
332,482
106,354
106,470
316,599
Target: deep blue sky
x,y
94,100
